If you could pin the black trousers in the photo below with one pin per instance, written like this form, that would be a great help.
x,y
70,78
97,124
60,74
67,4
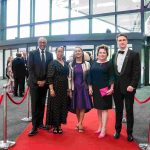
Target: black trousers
x,y
120,99
38,97
18,82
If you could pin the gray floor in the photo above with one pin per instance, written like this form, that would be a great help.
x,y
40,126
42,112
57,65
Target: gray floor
x,y
17,112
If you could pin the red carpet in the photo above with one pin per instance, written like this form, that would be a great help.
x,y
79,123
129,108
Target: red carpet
x,y
72,140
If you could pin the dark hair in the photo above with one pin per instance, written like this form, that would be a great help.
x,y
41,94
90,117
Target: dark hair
x,y
74,58
121,34
105,47
18,54
59,47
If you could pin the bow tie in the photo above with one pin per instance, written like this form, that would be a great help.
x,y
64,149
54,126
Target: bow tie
x,y
121,52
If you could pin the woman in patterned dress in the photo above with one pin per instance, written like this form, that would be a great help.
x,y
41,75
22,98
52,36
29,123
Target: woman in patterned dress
x,y
58,84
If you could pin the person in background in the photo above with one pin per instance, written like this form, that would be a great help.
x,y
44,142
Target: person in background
x,y
127,69
9,74
18,68
78,73
57,78
101,76
37,65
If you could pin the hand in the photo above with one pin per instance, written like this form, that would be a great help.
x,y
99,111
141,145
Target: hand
x,y
41,83
90,91
70,93
130,88
52,93
110,91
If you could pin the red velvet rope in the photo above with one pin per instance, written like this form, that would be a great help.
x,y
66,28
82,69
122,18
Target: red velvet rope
x,y
143,101
1,98
17,103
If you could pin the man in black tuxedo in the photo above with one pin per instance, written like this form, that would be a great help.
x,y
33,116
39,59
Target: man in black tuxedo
x,y
18,68
38,64
127,71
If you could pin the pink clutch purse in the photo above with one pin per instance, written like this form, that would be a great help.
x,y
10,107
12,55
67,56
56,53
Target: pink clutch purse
x,y
103,91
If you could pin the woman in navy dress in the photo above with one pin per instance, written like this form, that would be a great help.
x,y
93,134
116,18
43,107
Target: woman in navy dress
x,y
78,72
101,76
57,78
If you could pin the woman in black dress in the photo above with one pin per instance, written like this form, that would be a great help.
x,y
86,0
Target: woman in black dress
x,y
101,76
58,84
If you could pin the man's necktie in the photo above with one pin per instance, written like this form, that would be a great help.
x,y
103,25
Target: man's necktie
x,y
43,63
121,52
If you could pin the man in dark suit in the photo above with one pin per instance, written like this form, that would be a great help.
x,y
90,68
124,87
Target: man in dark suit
x,y
127,71
18,68
38,64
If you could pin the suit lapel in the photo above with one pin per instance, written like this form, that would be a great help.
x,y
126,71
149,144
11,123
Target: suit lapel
x,y
125,62
38,56
115,64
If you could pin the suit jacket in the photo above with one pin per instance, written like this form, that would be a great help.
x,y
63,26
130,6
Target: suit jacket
x,y
130,72
34,66
18,68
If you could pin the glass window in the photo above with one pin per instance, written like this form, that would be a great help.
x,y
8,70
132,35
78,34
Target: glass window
x,y
12,12
103,24
60,28
7,54
129,22
24,11
11,33
24,32
1,63
79,8
31,48
60,9
128,5
42,30
103,6
80,26
147,23
42,10
147,3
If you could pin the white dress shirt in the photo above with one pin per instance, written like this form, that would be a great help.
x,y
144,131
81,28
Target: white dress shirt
x,y
120,59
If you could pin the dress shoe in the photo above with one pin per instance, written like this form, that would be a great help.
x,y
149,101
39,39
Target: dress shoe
x,y
102,135
32,132
117,135
130,138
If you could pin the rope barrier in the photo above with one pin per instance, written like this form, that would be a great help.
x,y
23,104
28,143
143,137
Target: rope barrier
x,y
18,103
1,98
143,101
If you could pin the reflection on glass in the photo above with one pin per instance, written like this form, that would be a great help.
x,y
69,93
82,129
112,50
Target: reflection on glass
x,y
60,9
80,26
1,63
128,5
129,22
42,30
12,12
103,24
11,33
31,48
42,10
147,3
79,8
147,23
24,11
103,6
24,32
60,28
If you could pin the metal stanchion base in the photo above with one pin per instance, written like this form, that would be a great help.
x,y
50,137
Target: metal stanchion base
x,y
144,146
7,144
27,119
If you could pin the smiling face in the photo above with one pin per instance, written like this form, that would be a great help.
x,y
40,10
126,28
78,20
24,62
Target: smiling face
x,y
78,52
42,44
59,52
122,42
102,54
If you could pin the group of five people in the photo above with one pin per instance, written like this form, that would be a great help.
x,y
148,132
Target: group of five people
x,y
87,85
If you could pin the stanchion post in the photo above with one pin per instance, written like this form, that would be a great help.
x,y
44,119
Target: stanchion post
x,y
28,118
5,144
146,146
